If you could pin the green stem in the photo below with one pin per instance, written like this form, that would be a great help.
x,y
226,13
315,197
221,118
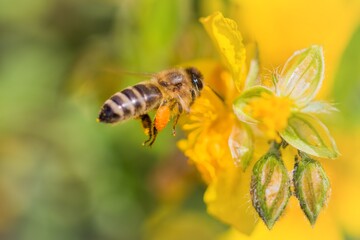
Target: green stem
x,y
275,148
303,155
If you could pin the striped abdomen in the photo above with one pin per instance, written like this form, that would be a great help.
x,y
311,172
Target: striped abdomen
x,y
130,102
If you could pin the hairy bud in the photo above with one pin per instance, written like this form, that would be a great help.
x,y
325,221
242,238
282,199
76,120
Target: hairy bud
x,y
312,186
270,188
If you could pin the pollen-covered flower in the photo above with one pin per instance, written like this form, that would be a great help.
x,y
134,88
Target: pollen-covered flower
x,y
287,109
208,127
236,114
286,113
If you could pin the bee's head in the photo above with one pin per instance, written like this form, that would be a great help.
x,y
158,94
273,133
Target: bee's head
x,y
196,78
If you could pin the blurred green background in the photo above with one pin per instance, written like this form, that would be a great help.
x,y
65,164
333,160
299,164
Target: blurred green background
x,y
64,176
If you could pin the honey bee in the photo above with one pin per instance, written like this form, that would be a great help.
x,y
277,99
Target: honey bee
x,y
170,92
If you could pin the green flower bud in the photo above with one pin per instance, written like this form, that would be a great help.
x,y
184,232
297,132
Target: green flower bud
x,y
270,188
312,186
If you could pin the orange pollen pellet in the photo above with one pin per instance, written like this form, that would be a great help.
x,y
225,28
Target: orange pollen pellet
x,y
162,117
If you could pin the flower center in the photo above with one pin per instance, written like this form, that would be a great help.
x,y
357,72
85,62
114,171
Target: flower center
x,y
271,111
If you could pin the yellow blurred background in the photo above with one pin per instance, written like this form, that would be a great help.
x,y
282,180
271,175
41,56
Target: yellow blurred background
x,y
64,176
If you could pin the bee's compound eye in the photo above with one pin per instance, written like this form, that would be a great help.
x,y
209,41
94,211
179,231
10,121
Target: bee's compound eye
x,y
196,77
107,115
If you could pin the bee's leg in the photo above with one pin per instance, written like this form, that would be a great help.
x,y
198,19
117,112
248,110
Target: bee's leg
x,y
154,134
148,127
177,116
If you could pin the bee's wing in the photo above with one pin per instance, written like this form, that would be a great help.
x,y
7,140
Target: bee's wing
x,y
120,72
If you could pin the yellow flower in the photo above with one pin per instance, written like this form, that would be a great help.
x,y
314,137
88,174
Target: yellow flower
x,y
288,108
211,124
207,127
211,120
280,27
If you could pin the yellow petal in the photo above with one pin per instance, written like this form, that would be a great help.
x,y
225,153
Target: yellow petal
x,y
228,41
228,198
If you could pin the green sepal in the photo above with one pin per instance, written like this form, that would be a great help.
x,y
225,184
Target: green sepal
x,y
241,145
312,187
308,134
302,75
252,78
270,188
319,107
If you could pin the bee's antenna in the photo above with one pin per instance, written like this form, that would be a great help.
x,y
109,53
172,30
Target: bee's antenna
x,y
217,94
